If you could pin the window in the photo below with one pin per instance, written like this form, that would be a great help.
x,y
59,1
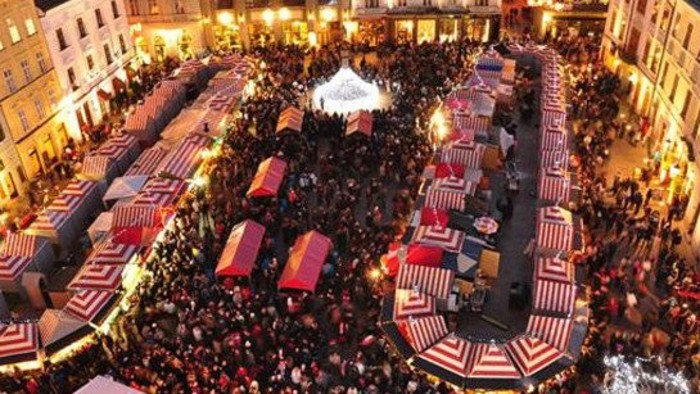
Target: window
x,y
686,104
688,35
90,62
674,88
153,7
108,54
98,16
647,51
427,2
641,6
676,24
662,81
134,7
23,119
122,44
26,70
14,31
115,9
9,80
81,28
61,39
39,106
72,79
41,62
29,25
402,3
696,130
53,100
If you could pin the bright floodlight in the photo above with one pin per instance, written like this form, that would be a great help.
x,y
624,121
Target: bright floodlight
x,y
346,92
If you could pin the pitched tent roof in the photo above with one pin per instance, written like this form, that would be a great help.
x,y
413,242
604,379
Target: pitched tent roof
x,y
125,187
305,261
241,249
359,122
268,178
104,385
291,118
58,329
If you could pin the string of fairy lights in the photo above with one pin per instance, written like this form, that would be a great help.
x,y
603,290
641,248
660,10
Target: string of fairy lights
x,y
640,376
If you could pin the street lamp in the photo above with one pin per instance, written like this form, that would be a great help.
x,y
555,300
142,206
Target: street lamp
x,y
268,16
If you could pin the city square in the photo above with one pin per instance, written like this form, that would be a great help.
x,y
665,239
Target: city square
x,y
248,197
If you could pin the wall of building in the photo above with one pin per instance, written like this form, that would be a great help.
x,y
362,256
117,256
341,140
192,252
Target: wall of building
x,y
30,96
84,104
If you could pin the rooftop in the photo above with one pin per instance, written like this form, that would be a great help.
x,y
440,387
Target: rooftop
x,y
46,5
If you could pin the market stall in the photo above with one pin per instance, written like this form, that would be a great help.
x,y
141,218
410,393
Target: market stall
x,y
303,267
241,250
554,297
22,252
185,158
92,306
147,162
554,229
58,329
359,122
268,178
554,185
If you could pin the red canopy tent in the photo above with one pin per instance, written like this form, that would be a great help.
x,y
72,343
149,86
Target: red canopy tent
x,y
305,261
445,170
430,256
434,216
359,122
268,178
291,119
241,249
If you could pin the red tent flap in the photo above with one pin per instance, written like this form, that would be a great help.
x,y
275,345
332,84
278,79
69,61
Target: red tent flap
x,y
444,170
305,262
241,249
430,256
433,217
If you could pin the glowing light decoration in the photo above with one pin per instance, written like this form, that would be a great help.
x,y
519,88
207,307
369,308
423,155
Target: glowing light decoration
x,y
346,92
642,376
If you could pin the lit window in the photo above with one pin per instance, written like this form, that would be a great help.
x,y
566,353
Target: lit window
x,y
26,70
14,31
23,119
41,62
39,106
9,80
29,25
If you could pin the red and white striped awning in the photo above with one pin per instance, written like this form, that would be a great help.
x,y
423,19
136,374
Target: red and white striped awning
x,y
489,361
554,185
153,200
105,277
454,184
11,267
444,237
117,148
164,185
554,158
49,221
111,253
148,162
469,158
424,332
490,74
411,304
432,281
553,118
20,244
554,228
19,340
531,354
65,203
553,330
79,187
182,162
441,199
552,268
87,304
127,216
480,124
450,354
554,296
222,102
553,139
96,166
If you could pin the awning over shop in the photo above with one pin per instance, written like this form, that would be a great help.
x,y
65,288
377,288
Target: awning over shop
x,y
268,178
305,261
241,250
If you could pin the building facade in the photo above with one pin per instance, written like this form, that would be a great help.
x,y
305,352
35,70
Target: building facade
x,y
573,18
33,130
187,27
654,46
90,48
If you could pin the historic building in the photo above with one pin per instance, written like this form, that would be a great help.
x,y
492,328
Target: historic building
x,y
654,45
568,17
91,48
33,131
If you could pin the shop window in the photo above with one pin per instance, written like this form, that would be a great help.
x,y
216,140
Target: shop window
x,y
61,39
98,18
26,70
29,25
115,9
81,28
23,120
41,61
14,31
9,80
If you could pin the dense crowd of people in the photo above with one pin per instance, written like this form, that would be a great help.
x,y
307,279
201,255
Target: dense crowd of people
x,y
188,331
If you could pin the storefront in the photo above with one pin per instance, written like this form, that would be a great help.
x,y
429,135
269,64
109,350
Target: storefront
x,y
227,37
295,32
370,32
448,29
